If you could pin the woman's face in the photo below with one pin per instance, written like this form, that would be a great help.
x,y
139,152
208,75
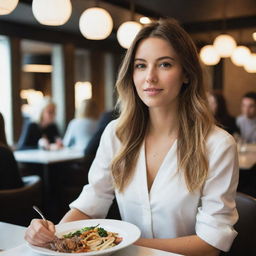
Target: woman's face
x,y
157,73
48,115
248,108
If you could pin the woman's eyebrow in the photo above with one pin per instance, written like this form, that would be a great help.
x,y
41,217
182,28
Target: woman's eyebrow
x,y
158,59
139,59
166,57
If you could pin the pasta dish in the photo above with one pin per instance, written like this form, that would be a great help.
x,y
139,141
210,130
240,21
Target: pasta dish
x,y
87,239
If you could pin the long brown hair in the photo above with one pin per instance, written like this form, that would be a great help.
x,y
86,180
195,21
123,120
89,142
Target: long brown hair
x,y
195,118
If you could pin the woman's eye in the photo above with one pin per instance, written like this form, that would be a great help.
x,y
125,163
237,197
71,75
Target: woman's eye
x,y
139,66
165,65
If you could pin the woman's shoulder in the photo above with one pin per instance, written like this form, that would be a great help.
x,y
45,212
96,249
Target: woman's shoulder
x,y
218,137
110,129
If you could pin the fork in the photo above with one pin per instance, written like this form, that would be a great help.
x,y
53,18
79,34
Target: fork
x,y
40,213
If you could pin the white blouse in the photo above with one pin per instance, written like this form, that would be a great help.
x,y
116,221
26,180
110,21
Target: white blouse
x,y
169,210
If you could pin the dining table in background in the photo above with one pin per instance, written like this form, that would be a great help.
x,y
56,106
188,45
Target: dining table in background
x,y
13,244
46,157
49,160
247,156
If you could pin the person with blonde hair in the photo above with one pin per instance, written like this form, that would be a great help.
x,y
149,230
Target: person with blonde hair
x,y
173,172
41,131
81,129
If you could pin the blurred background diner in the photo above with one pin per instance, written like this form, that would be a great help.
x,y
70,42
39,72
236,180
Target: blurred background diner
x,y
219,109
247,120
40,129
57,81
81,128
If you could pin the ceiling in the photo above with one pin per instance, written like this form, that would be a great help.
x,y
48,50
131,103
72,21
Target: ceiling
x,y
204,19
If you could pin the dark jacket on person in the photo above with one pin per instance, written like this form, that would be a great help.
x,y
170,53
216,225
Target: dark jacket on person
x,y
228,123
94,142
32,132
9,173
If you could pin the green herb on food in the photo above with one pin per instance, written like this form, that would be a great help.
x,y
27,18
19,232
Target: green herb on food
x,y
79,232
102,232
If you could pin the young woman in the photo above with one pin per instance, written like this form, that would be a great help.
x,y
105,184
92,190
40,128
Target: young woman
x,y
174,173
42,130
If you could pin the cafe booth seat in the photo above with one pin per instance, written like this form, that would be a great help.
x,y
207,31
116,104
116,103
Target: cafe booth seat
x,y
245,242
16,204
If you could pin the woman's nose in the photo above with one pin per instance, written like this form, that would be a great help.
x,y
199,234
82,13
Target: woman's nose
x,y
151,76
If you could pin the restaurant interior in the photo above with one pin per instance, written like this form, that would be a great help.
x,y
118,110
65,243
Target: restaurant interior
x,y
74,64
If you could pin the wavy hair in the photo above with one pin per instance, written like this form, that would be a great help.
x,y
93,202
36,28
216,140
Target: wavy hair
x,y
195,119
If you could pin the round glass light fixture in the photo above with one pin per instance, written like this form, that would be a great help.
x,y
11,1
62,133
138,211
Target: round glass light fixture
x,y
240,55
7,6
209,55
225,45
127,32
95,23
250,65
254,36
52,13
145,20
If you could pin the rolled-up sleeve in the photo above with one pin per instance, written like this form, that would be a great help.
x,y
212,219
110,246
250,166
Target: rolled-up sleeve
x,y
96,197
217,213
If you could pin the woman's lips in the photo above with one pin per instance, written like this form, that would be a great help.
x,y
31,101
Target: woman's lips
x,y
152,91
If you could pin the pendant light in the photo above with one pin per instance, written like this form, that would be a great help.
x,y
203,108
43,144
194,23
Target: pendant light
x,y
240,55
250,65
209,55
128,30
7,6
52,12
254,36
95,23
224,43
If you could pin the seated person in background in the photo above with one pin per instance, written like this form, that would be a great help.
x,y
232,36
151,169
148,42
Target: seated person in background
x,y
9,173
247,121
94,142
219,109
81,129
42,130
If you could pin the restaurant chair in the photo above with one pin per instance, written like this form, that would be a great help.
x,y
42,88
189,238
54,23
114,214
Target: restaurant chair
x,y
245,242
16,204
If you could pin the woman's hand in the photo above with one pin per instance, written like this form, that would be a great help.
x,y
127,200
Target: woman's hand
x,y
40,232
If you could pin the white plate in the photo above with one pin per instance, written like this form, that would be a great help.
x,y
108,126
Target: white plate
x,y
129,232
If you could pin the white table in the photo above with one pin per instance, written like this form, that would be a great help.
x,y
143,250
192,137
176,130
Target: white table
x,y
247,156
39,156
12,241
